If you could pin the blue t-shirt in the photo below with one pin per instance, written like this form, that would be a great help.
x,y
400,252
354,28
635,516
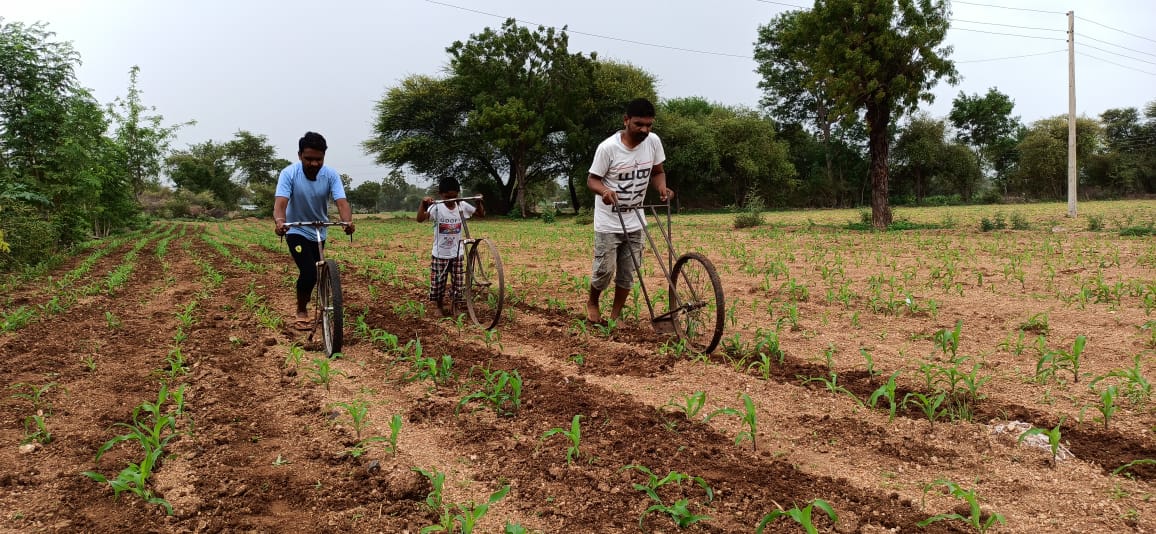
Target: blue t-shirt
x,y
308,199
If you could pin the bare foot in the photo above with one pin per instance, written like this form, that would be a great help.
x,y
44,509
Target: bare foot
x,y
593,314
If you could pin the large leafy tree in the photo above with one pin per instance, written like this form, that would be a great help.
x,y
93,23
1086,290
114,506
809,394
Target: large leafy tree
x,y
497,120
205,167
786,95
256,166
985,123
918,153
600,115
878,57
142,135
1127,164
60,176
717,154
1042,168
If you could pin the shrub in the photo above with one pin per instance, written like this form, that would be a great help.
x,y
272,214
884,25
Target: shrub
x,y
997,222
752,210
1019,222
585,216
1095,223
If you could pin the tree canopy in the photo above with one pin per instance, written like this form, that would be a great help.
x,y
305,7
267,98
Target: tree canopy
x,y
879,57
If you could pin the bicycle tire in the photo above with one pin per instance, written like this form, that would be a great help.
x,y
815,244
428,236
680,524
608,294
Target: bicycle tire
x,y
330,306
485,290
702,308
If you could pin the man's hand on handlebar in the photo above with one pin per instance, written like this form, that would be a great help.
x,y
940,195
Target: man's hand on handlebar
x,y
348,227
280,228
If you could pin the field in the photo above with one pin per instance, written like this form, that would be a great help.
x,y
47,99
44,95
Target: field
x,y
863,369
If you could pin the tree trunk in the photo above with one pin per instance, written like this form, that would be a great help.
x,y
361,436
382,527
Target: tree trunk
x,y
878,117
573,192
520,189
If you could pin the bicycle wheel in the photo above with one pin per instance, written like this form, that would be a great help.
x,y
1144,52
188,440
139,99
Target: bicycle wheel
x,y
485,289
698,302
329,304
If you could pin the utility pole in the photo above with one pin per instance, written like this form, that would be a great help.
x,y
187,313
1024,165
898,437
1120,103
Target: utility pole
x,y
1072,114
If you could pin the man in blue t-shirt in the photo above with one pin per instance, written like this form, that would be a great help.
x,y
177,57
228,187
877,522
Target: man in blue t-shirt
x,y
303,193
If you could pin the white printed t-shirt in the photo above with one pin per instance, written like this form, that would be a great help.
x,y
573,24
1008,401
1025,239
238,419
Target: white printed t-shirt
x,y
626,171
447,224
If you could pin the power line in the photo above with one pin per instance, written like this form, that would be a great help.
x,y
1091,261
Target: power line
x,y
1011,34
1116,64
1006,7
1109,27
782,4
1009,57
576,32
1082,36
1117,54
1011,25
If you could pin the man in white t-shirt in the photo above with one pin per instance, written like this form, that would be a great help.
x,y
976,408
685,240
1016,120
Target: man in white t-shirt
x,y
624,164
447,245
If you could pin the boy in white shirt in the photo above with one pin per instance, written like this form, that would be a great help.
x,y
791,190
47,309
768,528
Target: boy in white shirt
x,y
447,247
624,165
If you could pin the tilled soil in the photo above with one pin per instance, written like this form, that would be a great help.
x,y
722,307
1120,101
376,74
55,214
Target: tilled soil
x,y
264,444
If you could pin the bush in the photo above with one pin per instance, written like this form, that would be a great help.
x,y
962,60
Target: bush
x,y
1095,223
29,236
1019,222
752,214
585,216
1139,231
549,215
997,222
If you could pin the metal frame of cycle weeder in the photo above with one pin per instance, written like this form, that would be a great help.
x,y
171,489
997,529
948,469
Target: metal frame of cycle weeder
x,y
690,310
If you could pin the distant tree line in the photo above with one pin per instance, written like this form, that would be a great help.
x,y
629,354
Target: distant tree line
x,y
517,117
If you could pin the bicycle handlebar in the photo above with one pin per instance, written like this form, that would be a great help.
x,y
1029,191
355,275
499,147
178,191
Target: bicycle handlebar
x,y
629,207
443,201
315,224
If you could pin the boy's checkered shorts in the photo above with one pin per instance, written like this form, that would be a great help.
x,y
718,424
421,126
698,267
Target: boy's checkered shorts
x,y
439,268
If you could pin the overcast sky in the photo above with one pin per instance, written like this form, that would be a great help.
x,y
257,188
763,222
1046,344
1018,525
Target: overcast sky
x,y
280,68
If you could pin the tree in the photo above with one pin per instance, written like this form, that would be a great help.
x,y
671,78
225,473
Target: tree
x,y
1043,162
499,118
785,94
364,196
56,165
205,167
143,139
613,85
257,166
881,57
988,127
919,153
717,154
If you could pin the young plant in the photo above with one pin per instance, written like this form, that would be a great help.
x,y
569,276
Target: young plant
x,y
800,516
1053,438
502,390
691,404
574,435
749,417
975,517
887,391
357,411
679,511
1107,406
1136,386
948,340
928,404
322,373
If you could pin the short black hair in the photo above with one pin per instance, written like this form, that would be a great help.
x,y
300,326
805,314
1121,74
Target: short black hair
x,y
312,140
639,107
447,184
